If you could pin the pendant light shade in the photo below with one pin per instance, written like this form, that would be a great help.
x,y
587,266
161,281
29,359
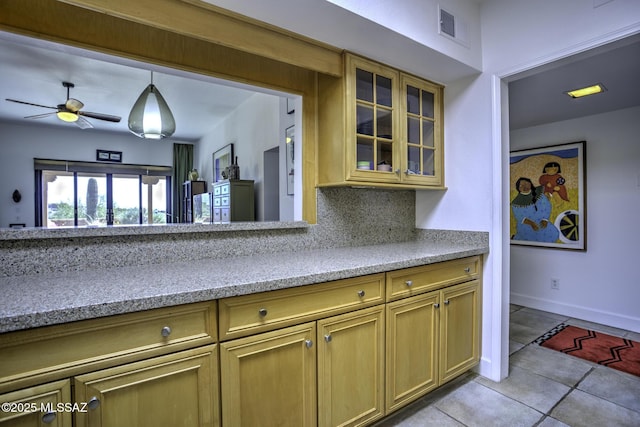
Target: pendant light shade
x,y
150,116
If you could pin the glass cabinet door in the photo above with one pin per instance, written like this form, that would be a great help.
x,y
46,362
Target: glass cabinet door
x,y
422,161
375,126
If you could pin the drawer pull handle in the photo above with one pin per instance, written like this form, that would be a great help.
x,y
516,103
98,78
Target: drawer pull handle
x,y
93,403
467,270
409,283
262,312
446,302
49,417
166,331
327,338
360,293
436,305
308,343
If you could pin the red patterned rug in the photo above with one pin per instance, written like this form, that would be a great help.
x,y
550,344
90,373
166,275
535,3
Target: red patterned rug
x,y
615,352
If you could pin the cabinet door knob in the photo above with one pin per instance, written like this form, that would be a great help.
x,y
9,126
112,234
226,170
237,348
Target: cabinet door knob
x,y
436,305
327,338
49,417
262,312
308,343
409,283
93,403
467,270
446,302
360,293
166,331
397,171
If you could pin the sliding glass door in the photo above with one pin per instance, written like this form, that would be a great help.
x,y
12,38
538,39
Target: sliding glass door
x,y
91,199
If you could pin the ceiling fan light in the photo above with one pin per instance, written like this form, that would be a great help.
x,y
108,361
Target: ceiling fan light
x,y
150,117
67,116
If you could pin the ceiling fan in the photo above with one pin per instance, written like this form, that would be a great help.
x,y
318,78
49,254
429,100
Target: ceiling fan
x,y
70,111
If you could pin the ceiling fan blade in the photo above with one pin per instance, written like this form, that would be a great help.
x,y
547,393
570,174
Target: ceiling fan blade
x,y
30,103
100,116
73,105
39,116
83,123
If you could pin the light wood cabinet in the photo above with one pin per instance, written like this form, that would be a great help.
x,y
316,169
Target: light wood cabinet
x,y
180,389
351,368
325,354
433,336
37,406
270,379
459,330
380,127
412,349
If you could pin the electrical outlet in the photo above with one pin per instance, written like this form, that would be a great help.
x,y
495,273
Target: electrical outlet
x,y
555,284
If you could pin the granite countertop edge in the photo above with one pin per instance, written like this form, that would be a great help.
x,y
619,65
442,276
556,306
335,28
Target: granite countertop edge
x,y
43,300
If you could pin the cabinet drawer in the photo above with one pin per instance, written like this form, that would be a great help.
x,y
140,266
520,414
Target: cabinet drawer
x,y
224,189
224,201
416,280
217,215
64,350
250,314
225,215
217,201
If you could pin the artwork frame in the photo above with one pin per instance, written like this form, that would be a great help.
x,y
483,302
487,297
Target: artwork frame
x,y
553,201
108,156
289,135
222,158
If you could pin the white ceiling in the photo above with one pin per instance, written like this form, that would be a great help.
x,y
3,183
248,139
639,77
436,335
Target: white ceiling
x,y
33,71
537,97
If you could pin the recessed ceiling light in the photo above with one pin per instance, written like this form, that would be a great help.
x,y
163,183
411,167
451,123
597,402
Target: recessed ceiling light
x,y
589,90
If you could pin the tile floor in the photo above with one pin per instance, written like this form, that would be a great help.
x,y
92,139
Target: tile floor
x,y
545,388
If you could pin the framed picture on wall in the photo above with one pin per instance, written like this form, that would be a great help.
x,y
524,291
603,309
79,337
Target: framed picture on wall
x,y
221,159
547,196
290,144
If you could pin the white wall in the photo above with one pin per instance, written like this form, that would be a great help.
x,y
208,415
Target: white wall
x,y
254,127
20,144
600,284
519,35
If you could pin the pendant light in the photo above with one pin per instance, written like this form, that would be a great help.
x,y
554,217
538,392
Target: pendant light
x,y
150,116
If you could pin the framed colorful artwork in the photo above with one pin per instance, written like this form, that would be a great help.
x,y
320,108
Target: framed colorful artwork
x,y
547,196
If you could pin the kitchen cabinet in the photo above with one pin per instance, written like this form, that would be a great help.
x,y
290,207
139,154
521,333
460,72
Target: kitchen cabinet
x,y
459,330
344,352
37,406
351,368
270,379
327,357
190,189
380,127
434,335
126,362
179,389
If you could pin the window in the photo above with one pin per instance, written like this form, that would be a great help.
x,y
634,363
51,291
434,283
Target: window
x,y
85,194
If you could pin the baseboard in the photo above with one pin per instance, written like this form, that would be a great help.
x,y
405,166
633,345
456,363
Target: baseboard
x,y
615,320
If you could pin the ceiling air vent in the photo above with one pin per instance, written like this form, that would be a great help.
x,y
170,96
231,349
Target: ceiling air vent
x,y
447,23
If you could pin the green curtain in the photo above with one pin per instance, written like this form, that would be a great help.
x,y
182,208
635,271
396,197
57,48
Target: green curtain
x,y
182,164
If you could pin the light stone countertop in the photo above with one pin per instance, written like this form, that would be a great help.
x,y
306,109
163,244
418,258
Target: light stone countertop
x,y
40,300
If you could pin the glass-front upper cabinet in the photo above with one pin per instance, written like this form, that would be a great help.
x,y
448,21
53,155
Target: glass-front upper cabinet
x,y
379,127
373,132
422,139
